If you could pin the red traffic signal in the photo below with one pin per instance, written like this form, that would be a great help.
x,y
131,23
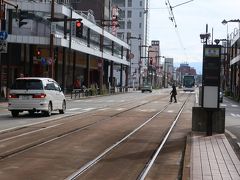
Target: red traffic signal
x,y
79,28
78,24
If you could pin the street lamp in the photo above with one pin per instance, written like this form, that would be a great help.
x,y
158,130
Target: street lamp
x,y
140,62
130,71
224,63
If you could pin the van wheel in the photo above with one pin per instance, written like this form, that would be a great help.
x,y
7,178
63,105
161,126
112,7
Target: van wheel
x,y
15,113
49,111
31,112
62,111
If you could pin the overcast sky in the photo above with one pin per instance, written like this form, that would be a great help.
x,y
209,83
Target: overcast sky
x,y
183,43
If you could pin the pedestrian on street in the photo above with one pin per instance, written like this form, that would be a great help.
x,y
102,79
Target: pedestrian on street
x,y
173,94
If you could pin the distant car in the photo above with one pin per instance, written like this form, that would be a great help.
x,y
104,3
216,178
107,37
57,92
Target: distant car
x,y
146,87
220,97
35,94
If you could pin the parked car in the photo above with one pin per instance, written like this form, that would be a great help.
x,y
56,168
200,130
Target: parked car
x,y
34,94
146,87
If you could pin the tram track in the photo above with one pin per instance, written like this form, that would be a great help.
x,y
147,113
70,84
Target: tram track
x,y
146,169
37,143
74,131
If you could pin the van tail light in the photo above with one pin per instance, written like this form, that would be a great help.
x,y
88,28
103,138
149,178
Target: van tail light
x,y
39,96
12,96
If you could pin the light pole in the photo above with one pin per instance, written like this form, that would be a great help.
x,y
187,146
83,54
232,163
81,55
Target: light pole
x,y
224,64
130,69
141,57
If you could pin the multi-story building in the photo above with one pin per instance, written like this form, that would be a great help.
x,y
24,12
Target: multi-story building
x,y
234,61
154,64
133,20
168,70
41,42
184,69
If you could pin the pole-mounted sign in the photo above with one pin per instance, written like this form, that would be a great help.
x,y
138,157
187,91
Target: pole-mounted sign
x,y
211,75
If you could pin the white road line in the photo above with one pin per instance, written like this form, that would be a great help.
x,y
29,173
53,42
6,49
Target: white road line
x,y
223,105
231,134
196,96
120,109
104,109
170,111
31,132
88,109
238,144
234,115
238,115
73,109
146,110
234,105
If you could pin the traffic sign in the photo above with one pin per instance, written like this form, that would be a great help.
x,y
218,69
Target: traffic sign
x,y
3,35
3,46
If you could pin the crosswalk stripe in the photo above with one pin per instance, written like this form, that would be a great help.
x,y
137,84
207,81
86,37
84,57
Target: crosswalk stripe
x,y
73,109
233,115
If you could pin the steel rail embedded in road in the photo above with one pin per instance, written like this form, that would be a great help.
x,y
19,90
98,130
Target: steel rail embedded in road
x,y
98,158
104,153
150,163
30,146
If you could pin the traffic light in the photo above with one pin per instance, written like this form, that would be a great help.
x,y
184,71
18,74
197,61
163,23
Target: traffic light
x,y
79,28
21,16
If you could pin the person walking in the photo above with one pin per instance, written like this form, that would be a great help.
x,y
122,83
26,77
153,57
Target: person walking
x,y
173,94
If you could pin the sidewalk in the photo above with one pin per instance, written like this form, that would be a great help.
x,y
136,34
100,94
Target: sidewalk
x,y
210,157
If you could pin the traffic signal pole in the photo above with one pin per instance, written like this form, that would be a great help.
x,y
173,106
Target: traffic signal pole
x,y
51,53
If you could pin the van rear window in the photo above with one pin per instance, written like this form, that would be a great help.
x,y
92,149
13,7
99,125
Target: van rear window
x,y
33,84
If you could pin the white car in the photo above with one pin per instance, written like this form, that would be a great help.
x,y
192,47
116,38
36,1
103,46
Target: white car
x,y
34,94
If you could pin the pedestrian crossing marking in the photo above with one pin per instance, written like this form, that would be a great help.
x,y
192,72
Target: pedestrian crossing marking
x,y
235,115
234,105
120,109
73,109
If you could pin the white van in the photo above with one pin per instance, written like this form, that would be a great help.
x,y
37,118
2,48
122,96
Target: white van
x,y
34,94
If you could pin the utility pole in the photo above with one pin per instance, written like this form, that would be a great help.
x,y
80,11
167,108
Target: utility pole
x,y
51,53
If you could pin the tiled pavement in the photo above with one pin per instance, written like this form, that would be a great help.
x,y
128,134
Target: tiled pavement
x,y
212,157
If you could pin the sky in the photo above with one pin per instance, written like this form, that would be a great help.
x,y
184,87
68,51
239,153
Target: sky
x,y
183,43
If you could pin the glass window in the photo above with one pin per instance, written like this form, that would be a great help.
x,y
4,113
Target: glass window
x,y
129,3
122,14
120,35
119,3
121,24
140,14
129,14
129,25
33,84
50,86
140,3
140,25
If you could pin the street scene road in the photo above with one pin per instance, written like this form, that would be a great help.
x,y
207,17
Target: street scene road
x,y
119,89
120,137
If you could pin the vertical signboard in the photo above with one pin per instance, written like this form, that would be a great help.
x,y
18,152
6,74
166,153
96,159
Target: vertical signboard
x,y
211,75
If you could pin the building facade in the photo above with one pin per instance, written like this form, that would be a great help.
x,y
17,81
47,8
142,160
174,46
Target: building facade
x,y
41,43
232,65
133,29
